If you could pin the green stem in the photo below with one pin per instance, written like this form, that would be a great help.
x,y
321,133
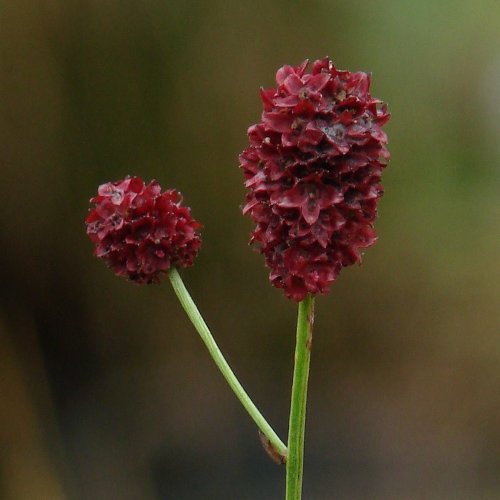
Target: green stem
x,y
194,315
295,461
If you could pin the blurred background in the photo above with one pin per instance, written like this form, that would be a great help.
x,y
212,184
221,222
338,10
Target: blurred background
x,y
106,392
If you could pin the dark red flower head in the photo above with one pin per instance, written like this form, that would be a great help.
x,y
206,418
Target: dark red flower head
x,y
141,232
313,172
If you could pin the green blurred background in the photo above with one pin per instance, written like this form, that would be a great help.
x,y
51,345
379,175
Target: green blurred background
x,y
105,390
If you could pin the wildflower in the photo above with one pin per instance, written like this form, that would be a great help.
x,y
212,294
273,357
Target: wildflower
x,y
313,170
141,232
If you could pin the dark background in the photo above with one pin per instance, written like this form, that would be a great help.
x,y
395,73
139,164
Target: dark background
x,y
106,392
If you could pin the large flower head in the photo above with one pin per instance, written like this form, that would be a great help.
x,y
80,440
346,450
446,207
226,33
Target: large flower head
x,y
313,172
140,231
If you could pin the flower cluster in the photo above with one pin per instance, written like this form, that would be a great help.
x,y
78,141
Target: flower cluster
x,y
141,232
313,172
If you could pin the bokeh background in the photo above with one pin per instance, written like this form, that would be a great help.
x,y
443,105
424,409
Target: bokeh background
x,y
106,392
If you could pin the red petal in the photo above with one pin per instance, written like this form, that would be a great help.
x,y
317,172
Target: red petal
x,y
286,102
293,84
283,73
302,67
280,122
318,82
310,211
266,96
293,198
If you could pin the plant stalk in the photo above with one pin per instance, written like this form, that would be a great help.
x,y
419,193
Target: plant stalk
x,y
194,315
296,430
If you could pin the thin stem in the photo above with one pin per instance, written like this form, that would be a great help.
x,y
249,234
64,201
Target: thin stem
x,y
296,430
194,315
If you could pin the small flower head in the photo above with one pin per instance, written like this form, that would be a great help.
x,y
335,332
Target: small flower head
x,y
313,172
140,231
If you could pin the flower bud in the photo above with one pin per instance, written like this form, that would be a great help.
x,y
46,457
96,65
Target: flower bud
x,y
140,231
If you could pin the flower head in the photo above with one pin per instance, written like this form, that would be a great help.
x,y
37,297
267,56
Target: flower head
x,y
141,232
313,172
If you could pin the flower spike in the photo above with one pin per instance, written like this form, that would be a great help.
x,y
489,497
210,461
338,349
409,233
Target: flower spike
x,y
312,171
